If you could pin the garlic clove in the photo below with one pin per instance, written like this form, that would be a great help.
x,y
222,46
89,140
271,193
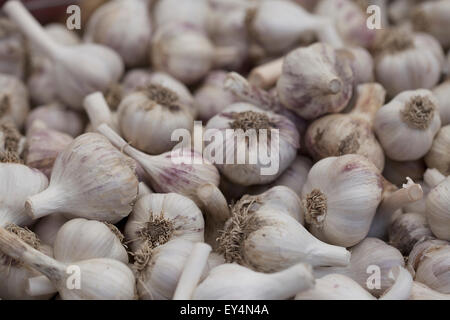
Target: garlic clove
x,y
419,252
434,269
13,99
439,155
234,282
340,199
43,146
438,209
90,179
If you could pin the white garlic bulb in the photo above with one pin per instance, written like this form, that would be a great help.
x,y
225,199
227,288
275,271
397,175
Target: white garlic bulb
x,y
47,228
181,171
438,209
90,179
13,99
439,155
148,118
158,218
339,134
441,92
212,97
43,146
124,26
267,235
407,61
73,65
362,64
410,116
102,278
17,183
189,11
315,80
235,282
247,119
433,268
370,263
12,52
57,117
340,198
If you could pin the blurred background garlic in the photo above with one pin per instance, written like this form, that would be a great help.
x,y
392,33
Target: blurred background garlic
x,y
438,206
43,146
412,116
361,62
124,26
339,134
13,55
17,183
57,117
439,155
315,80
234,282
90,179
13,99
442,94
172,12
211,98
12,143
340,198
159,218
258,125
405,60
368,255
264,235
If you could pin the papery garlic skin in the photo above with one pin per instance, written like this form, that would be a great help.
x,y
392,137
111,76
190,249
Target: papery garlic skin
x,y
442,94
57,117
158,218
340,199
189,11
412,116
124,26
408,61
13,99
438,210
234,282
238,116
81,239
47,228
315,81
90,179
13,57
439,155
43,146
433,17
183,51
17,183
149,117
335,287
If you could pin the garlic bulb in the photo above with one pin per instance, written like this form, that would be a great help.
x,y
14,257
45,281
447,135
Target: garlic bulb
x,y
370,263
148,118
276,35
157,218
267,235
90,179
340,198
339,134
234,282
408,229
180,172
13,55
47,228
189,11
441,92
420,250
315,80
73,65
247,119
102,278
212,97
407,61
439,155
57,117
433,17
350,21
397,171
124,26
422,292
335,287
362,64
14,274
433,268
13,99
438,209
43,146
410,116
17,183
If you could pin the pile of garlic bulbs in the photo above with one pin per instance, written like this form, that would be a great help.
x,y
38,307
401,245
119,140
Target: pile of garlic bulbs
x,y
99,199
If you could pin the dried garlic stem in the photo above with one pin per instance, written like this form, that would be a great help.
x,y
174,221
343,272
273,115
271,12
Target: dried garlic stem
x,y
266,75
98,110
410,192
39,286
